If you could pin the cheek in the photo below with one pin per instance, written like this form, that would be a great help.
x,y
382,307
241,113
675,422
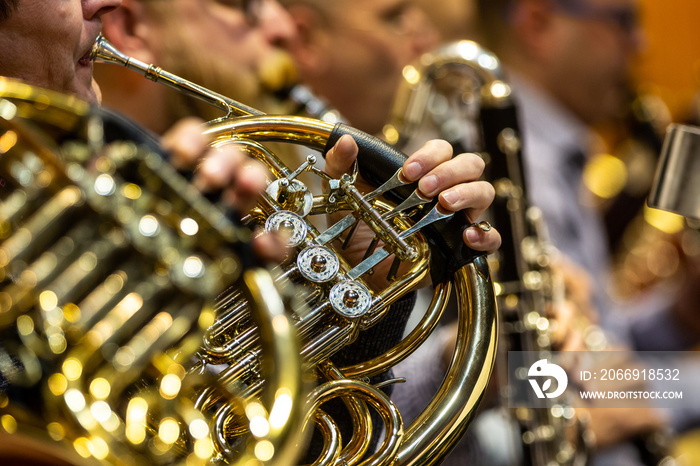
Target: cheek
x,y
230,43
381,56
68,23
355,60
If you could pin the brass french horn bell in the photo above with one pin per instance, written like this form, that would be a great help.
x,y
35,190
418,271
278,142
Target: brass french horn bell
x,y
110,264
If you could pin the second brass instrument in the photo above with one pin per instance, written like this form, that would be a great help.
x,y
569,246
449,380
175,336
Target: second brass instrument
x,y
111,263
674,188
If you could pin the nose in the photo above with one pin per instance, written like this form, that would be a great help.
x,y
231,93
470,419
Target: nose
x,y
96,8
424,33
276,23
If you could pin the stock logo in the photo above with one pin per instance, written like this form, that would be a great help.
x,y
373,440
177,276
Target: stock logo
x,y
542,369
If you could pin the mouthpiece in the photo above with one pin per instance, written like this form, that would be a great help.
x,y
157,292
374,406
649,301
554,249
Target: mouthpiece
x,y
104,52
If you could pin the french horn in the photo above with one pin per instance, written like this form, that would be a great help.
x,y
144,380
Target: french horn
x,y
237,367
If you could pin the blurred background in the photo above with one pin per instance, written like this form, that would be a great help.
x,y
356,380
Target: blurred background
x,y
670,65
669,68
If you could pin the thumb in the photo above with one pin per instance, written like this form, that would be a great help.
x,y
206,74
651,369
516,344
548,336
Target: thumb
x,y
342,155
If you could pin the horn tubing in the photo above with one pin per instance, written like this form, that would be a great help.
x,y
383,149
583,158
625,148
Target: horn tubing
x,y
104,52
434,434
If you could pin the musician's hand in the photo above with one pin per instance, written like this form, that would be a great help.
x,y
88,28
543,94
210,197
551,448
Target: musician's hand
x,y
453,180
614,425
240,178
572,314
611,426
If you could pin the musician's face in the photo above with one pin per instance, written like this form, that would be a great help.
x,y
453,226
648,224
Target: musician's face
x,y
455,18
598,43
218,45
355,54
47,43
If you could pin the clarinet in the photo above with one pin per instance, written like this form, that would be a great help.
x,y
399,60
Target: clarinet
x,y
462,97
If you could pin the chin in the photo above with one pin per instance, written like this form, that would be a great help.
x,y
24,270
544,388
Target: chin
x,y
90,94
96,91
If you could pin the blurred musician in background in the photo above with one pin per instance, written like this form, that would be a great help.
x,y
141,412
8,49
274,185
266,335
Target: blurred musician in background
x,y
455,19
352,52
569,62
232,48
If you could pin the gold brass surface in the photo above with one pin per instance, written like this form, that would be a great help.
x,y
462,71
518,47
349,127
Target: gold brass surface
x,y
106,296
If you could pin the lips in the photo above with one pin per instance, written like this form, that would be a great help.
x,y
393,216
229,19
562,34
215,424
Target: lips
x,y
85,59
